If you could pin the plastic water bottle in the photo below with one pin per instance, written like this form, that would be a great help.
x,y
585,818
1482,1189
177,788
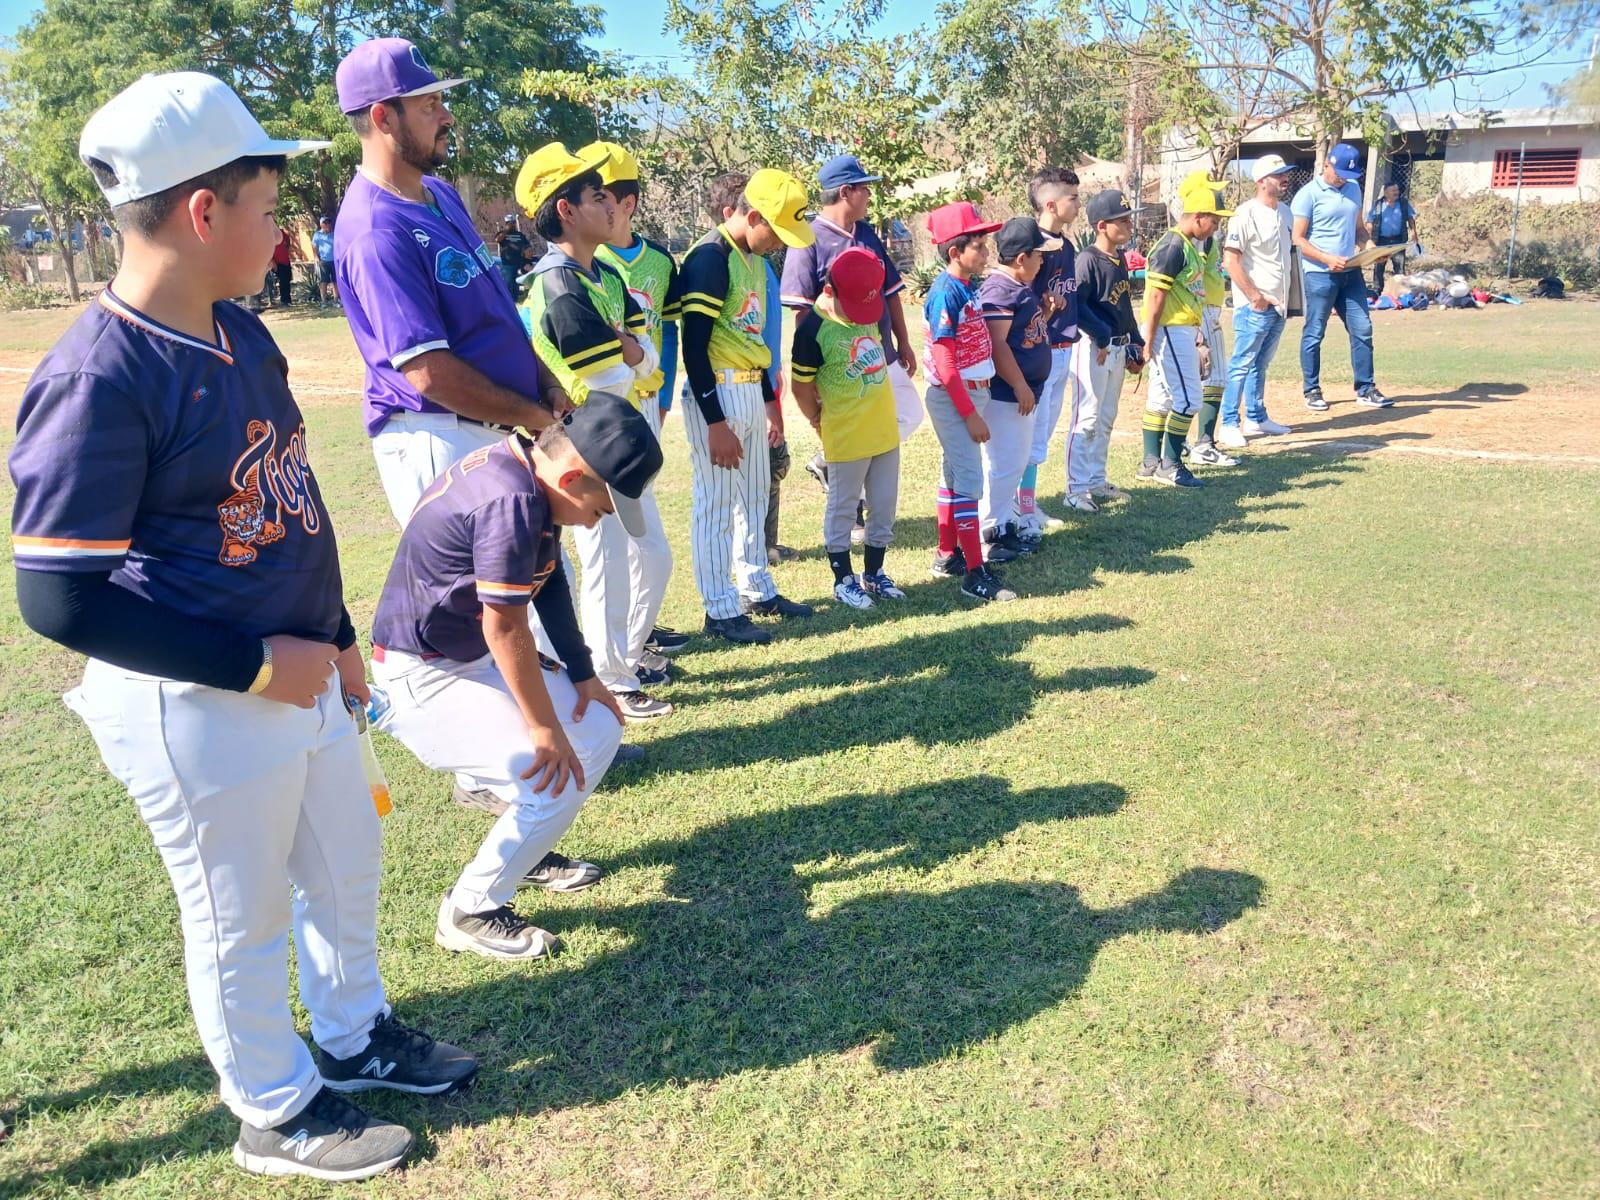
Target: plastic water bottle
x,y
376,782
378,708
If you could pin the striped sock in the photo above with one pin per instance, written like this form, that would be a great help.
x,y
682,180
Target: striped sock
x,y
946,523
1177,428
965,511
1026,504
1155,424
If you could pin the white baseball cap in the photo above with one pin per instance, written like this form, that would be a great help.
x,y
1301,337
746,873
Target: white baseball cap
x,y
1269,164
165,129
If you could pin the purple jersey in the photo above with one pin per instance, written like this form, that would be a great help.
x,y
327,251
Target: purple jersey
x,y
1002,298
481,534
179,466
1058,274
415,279
805,270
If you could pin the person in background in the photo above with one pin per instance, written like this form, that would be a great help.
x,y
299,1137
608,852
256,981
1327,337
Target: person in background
x,y
515,251
322,243
283,268
1394,223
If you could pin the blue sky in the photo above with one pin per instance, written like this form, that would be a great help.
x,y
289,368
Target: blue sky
x,y
634,27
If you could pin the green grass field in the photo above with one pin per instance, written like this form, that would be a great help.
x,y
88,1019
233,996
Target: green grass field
x,y
1254,852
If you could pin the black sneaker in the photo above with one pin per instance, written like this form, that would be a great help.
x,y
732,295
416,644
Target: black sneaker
x,y
737,629
1149,467
778,606
650,677
498,933
781,554
948,566
1373,398
666,641
1176,475
627,753
1315,402
401,1058
996,550
330,1138
985,585
1013,539
480,799
555,872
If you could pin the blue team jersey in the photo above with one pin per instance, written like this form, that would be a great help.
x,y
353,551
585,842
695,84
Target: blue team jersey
x,y
179,466
1002,298
1058,276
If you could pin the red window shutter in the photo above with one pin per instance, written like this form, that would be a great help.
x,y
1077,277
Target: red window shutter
x,y
1540,168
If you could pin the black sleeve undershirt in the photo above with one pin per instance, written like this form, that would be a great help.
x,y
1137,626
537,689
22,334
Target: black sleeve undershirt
x,y
88,613
554,606
695,338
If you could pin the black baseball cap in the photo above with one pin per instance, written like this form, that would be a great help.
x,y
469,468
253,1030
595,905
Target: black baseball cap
x,y
616,442
1108,205
1020,235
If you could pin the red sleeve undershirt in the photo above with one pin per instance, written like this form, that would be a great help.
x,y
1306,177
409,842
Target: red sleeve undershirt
x,y
944,362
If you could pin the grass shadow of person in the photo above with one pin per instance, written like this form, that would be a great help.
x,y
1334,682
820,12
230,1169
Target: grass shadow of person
x,y
746,966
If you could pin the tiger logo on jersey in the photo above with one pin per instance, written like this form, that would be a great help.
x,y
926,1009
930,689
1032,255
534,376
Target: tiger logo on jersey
x,y
243,515
750,319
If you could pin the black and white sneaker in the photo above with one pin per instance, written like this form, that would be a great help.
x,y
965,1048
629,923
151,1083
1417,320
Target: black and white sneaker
x,y
997,550
401,1058
985,585
778,606
649,677
498,933
1149,467
817,468
555,872
849,591
330,1138
879,585
649,660
638,706
1013,539
1373,398
948,566
1176,475
1315,401
666,641
1206,454
739,629
479,798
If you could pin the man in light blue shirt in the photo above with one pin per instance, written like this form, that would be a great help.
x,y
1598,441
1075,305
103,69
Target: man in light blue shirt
x,y
1328,227
1394,223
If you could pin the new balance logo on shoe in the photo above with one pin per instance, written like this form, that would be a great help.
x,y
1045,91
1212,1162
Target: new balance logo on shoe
x,y
301,1144
377,1068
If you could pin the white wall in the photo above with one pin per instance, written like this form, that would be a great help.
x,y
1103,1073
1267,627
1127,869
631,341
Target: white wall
x,y
1469,160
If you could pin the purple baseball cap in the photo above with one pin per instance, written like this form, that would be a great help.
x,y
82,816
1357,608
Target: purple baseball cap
x,y
385,69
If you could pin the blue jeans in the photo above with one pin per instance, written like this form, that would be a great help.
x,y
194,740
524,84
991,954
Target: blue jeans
x,y
1255,341
1343,292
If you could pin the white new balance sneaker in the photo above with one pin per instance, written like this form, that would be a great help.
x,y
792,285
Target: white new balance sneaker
x,y
1263,428
1231,437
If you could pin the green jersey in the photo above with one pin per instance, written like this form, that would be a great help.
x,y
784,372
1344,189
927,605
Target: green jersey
x,y
652,280
724,283
576,319
1177,265
851,371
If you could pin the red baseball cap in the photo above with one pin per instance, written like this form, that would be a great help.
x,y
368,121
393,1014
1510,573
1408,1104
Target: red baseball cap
x,y
951,221
856,277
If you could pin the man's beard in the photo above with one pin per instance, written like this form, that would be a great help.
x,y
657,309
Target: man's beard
x,y
422,157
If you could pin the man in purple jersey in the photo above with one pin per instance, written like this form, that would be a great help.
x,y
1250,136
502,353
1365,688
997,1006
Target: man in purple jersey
x,y
470,692
841,223
168,525
449,368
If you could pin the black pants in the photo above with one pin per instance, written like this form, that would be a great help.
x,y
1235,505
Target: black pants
x,y
285,272
778,458
1399,262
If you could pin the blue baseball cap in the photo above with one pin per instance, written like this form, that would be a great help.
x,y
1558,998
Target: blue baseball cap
x,y
1346,160
842,170
385,69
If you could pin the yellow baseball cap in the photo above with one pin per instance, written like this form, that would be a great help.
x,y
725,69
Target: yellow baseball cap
x,y
1200,194
550,166
621,167
781,199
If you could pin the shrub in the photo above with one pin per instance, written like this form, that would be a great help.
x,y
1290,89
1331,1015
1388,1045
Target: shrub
x,y
15,296
1471,234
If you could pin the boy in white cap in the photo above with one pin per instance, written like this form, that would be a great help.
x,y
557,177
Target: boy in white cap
x,y
169,526
1258,254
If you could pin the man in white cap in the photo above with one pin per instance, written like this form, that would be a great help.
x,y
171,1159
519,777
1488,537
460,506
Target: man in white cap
x,y
449,368
169,526
1258,254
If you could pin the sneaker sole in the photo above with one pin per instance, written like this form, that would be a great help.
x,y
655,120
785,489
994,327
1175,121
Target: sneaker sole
x,y
562,889
1175,483
640,718
665,651
279,1167
460,944
987,599
366,1084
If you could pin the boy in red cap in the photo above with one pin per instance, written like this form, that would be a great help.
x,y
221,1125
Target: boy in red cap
x,y
840,377
960,363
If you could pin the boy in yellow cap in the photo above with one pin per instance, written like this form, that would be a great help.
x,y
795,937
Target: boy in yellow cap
x,y
652,278
1213,357
1174,299
590,332
726,358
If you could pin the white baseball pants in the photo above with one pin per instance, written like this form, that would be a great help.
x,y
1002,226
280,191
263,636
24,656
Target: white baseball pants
x,y
1005,458
263,819
1095,388
728,507
624,584
413,449
1174,371
1045,416
1216,378
907,402
461,717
